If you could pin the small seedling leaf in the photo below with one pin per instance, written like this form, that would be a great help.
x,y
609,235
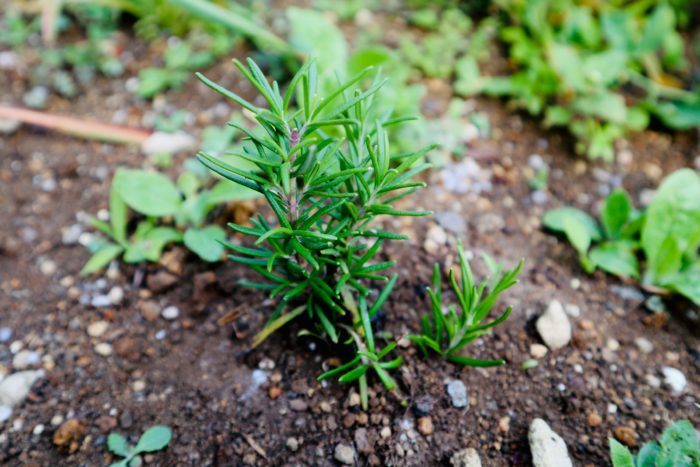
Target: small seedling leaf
x,y
154,439
118,445
206,242
620,455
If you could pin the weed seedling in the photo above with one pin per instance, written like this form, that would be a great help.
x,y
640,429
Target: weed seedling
x,y
678,446
153,439
451,331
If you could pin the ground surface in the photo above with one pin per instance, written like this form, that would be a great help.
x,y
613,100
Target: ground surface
x,y
195,374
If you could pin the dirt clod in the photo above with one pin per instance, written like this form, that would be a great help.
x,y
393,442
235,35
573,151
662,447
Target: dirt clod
x,y
70,430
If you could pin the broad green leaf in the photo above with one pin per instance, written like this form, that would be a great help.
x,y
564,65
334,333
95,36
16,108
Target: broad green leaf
x,y
101,259
676,115
188,183
577,233
687,283
605,105
313,33
620,455
118,216
616,212
565,60
118,445
665,262
148,243
659,24
369,57
648,454
605,67
616,258
674,212
679,445
150,193
554,220
154,439
206,242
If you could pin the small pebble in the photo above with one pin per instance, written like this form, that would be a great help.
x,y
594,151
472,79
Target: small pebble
x,y
538,350
594,419
97,329
644,345
344,454
457,392
25,359
170,313
39,429
292,444
116,295
5,334
5,413
103,349
425,426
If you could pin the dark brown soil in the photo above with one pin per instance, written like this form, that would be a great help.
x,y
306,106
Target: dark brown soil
x,y
198,376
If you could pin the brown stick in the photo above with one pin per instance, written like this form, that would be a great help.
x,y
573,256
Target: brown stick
x,y
77,127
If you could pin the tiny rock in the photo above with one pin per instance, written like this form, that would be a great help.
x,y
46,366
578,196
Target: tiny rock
x,y
457,392
149,310
25,359
594,419
644,345
97,328
160,281
504,424
170,313
626,436
70,430
344,454
466,458
292,444
103,349
548,448
538,350
434,239
362,441
675,379
298,405
425,426
554,327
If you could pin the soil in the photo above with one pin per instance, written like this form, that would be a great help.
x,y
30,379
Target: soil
x,y
195,373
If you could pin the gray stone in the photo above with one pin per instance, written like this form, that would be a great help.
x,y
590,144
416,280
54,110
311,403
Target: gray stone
x,y
627,293
466,458
548,448
644,345
451,221
554,327
15,388
457,392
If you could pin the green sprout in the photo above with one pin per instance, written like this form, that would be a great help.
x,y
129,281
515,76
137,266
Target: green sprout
x,y
449,331
153,439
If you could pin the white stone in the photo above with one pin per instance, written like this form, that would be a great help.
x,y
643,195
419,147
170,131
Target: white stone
x,y
39,429
15,388
97,328
139,385
103,349
170,143
457,391
344,454
25,359
548,448
466,458
116,295
644,345
675,379
554,326
170,313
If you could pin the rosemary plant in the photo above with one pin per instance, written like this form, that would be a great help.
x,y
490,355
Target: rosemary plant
x,y
326,171
449,331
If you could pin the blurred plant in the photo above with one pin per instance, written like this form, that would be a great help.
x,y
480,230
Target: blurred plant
x,y
153,439
449,332
678,446
326,173
154,196
180,59
667,236
600,71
